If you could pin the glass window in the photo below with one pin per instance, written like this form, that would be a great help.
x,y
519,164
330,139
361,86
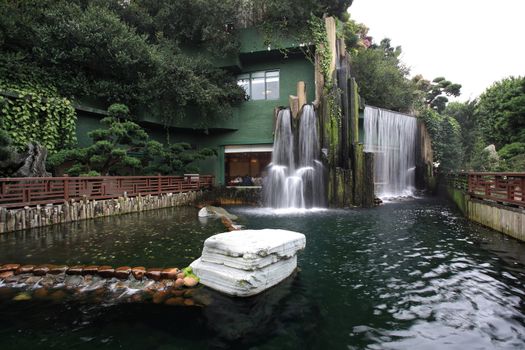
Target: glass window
x,y
260,85
244,82
272,85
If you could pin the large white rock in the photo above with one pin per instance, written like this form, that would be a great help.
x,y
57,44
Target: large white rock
x,y
244,263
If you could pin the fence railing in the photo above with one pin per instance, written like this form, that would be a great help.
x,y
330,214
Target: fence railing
x,y
24,191
505,188
501,187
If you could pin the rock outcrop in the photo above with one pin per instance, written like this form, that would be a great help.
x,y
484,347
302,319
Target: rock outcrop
x,y
30,163
247,262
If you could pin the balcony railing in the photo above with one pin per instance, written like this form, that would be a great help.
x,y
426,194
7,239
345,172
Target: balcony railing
x,y
24,191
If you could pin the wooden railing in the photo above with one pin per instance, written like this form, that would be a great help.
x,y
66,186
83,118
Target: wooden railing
x,y
24,191
504,188
507,188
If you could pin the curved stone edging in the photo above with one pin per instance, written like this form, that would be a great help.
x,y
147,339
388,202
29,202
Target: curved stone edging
x,y
169,286
104,271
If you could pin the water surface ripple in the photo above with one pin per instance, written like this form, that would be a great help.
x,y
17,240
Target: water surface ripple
x,y
407,275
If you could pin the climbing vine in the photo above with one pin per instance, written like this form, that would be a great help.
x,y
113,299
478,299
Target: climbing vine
x,y
334,117
36,114
318,35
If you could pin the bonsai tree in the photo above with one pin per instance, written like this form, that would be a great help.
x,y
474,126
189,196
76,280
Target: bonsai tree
x,y
114,147
177,158
122,147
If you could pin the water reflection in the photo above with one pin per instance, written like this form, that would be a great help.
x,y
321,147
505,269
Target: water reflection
x,y
407,275
165,237
243,322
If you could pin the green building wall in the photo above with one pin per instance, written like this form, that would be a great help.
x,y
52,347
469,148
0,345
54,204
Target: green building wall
x,y
251,122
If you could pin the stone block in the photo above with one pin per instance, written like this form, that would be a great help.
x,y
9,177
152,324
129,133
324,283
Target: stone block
x,y
247,262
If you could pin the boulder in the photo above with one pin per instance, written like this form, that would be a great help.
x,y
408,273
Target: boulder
x,y
247,262
211,211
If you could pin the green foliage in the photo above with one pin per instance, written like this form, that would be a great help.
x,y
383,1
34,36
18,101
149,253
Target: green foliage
x,y
175,158
513,157
355,36
118,110
511,150
122,147
319,37
434,93
446,139
483,159
501,112
123,51
188,272
465,114
450,145
34,112
289,16
382,77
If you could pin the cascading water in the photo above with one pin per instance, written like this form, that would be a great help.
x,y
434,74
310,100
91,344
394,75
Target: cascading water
x,y
295,175
391,137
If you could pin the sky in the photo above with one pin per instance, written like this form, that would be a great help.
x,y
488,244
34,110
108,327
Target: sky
x,y
470,42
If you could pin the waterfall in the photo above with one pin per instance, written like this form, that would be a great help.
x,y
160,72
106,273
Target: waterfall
x,y
391,137
295,176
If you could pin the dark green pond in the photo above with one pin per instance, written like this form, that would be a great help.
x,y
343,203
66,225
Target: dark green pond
x,y
407,275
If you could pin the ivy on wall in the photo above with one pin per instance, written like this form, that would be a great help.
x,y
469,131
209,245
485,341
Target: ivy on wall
x,y
36,114
320,39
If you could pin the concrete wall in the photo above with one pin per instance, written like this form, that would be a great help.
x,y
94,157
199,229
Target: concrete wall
x,y
31,217
508,220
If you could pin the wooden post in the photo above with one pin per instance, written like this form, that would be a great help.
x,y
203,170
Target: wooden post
x,y
66,189
301,94
294,105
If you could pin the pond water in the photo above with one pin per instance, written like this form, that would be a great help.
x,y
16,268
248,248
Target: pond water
x,y
406,275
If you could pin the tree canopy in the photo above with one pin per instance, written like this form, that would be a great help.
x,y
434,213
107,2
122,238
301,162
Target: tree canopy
x,y
382,77
501,111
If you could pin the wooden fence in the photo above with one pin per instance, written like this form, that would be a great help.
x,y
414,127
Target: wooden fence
x,y
20,192
505,188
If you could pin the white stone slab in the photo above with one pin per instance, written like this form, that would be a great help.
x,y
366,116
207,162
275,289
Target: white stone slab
x,y
255,244
247,262
242,283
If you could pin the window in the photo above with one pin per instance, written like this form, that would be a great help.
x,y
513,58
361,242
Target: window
x,y
260,85
245,165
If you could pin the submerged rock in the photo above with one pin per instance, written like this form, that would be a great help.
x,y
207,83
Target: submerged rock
x,y
190,281
138,272
154,274
25,269
6,274
22,297
106,271
75,270
9,267
122,272
170,273
174,301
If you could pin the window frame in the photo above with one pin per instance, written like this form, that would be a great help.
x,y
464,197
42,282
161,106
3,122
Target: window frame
x,y
249,76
